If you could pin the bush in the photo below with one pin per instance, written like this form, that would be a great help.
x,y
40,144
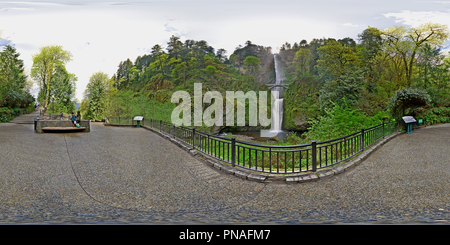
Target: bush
x,y
437,115
405,100
340,121
439,97
13,99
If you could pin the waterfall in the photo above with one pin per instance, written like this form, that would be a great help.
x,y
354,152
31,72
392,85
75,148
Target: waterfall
x,y
277,107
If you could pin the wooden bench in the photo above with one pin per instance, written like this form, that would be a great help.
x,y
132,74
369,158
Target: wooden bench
x,y
62,128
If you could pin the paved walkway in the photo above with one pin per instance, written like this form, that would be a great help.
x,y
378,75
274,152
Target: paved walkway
x,y
25,119
131,175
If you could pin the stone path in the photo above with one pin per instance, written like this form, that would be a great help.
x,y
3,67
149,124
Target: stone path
x,y
25,119
131,175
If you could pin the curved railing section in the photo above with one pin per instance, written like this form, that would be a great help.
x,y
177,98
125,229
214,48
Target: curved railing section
x,y
271,158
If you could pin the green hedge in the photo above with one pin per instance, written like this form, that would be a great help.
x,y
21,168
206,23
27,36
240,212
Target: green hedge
x,y
7,114
437,115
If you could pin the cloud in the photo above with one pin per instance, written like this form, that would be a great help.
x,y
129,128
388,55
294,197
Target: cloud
x,y
98,37
439,2
169,28
415,18
352,25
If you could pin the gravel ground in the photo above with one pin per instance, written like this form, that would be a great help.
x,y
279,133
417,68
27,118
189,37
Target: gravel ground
x,y
124,175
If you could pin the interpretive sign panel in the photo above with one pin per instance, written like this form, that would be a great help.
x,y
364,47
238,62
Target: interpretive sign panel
x,y
139,118
409,119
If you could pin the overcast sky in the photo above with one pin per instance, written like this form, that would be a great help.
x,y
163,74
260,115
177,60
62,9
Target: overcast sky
x,y
101,33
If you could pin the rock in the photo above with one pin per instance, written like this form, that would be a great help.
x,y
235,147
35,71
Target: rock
x,y
300,122
216,129
275,138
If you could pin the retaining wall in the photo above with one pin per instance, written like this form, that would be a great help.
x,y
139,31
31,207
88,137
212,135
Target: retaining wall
x,y
39,124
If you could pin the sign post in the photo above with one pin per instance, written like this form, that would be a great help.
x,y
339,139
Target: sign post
x,y
409,120
138,119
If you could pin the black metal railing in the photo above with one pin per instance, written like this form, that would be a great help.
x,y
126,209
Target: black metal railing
x,y
271,158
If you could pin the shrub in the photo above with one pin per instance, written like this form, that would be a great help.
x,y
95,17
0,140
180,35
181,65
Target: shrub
x,y
340,121
407,99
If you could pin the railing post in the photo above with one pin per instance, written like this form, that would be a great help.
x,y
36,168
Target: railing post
x,y
160,122
362,139
233,151
383,129
193,138
314,155
119,120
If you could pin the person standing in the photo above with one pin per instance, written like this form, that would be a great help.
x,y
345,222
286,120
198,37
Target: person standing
x,y
73,119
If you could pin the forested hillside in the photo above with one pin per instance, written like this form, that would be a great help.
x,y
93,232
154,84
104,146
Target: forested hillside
x,y
342,84
383,74
145,86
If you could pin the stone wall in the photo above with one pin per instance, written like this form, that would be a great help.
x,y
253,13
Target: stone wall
x,y
39,124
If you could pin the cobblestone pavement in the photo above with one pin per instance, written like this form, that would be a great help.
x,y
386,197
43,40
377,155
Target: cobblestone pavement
x,y
125,175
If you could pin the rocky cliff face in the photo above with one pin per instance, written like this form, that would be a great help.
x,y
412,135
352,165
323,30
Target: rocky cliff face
x,y
300,98
266,74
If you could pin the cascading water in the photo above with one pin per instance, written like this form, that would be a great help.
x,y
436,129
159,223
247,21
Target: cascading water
x,y
277,107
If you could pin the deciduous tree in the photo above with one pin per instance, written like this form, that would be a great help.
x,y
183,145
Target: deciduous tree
x,y
405,42
44,66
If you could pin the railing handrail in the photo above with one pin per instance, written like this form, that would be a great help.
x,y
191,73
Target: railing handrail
x,y
310,156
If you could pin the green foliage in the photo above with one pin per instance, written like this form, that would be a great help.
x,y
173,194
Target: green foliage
x,y
44,67
301,102
7,114
13,80
337,86
439,97
336,59
407,99
340,121
126,103
96,93
252,64
344,91
11,69
62,108
62,87
436,115
13,98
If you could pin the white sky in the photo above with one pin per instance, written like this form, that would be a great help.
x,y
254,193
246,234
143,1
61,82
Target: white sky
x,y
102,33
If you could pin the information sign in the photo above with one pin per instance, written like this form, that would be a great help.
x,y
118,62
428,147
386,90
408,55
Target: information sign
x,y
409,119
138,118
